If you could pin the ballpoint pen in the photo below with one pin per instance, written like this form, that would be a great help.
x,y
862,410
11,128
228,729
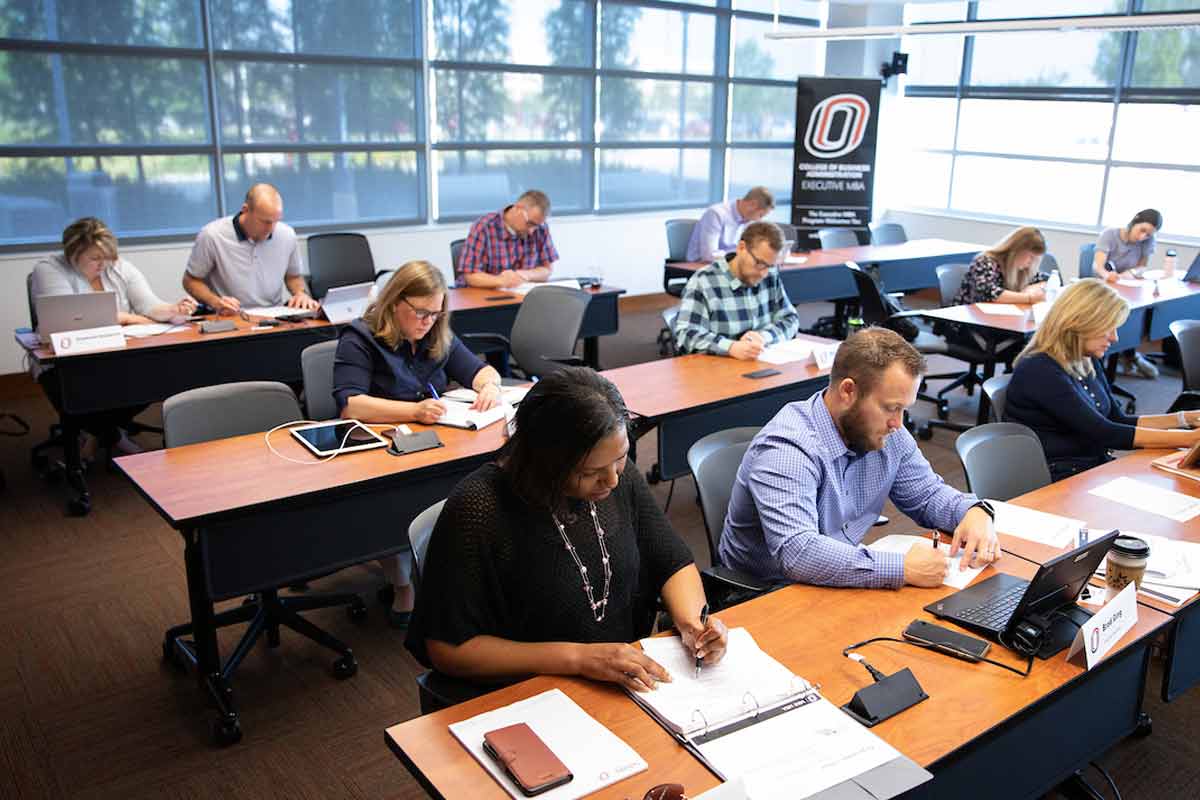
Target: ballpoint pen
x,y
703,625
433,391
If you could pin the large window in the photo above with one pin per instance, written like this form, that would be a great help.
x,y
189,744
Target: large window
x,y
1075,127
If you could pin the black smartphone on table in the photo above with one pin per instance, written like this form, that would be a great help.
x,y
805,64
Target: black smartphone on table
x,y
947,641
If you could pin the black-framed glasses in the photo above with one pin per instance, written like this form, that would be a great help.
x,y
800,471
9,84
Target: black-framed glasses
x,y
421,313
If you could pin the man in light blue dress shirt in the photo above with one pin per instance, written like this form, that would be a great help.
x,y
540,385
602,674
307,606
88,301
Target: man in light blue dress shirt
x,y
815,478
721,225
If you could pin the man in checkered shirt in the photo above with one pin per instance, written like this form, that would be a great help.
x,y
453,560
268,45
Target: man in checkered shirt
x,y
509,247
737,306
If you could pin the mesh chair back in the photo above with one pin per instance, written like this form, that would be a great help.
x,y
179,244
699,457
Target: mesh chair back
x,y
456,252
837,237
29,299
714,484
996,390
1187,333
870,299
1087,259
316,365
338,259
950,278
1002,460
789,233
888,233
1049,264
420,531
547,327
230,409
679,232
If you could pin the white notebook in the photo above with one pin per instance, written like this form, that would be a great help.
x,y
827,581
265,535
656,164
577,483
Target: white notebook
x,y
512,395
1036,526
460,415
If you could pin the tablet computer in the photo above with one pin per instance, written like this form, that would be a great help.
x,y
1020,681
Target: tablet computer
x,y
337,435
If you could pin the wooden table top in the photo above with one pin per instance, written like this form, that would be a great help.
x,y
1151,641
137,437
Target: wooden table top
x,y
211,478
469,298
805,628
865,254
1070,498
668,386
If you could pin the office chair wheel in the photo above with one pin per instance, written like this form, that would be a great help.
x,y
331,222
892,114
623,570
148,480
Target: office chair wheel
x,y
943,409
1145,726
227,731
1131,407
345,667
171,656
357,611
654,475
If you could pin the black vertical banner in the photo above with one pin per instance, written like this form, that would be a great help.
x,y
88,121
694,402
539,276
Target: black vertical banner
x,y
833,166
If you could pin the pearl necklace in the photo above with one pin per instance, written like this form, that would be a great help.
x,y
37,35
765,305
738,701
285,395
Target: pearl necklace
x,y
598,608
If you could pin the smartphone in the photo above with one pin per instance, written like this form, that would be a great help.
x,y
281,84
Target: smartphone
x,y
526,759
950,642
492,297
761,373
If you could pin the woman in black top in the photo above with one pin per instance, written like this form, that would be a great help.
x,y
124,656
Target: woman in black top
x,y
550,560
1059,390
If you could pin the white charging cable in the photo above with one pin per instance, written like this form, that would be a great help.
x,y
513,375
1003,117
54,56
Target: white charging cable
x,y
320,459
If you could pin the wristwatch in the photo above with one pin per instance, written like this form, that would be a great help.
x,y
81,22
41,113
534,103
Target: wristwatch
x,y
987,507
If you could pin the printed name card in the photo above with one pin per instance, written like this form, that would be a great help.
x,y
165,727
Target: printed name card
x,y
1098,635
69,343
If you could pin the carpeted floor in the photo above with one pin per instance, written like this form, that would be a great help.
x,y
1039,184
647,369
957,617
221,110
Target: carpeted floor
x,y
87,710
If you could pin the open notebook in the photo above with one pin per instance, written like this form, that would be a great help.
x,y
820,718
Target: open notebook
x,y
750,717
460,415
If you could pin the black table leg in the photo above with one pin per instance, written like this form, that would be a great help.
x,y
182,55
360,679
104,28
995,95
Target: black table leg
x,y
227,727
591,351
80,501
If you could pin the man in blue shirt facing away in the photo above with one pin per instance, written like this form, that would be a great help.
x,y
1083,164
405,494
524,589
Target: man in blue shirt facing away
x,y
722,223
815,479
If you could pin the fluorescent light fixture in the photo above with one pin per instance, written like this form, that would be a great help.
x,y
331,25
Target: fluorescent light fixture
x,y
1125,22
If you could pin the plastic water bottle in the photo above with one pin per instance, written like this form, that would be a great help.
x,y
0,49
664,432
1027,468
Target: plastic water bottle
x,y
1169,264
1053,286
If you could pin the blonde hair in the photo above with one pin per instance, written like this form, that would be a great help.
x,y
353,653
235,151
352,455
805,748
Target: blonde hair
x,y
1022,240
87,232
414,279
1086,309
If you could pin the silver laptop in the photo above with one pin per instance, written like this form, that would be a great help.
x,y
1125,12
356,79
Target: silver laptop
x,y
343,304
57,313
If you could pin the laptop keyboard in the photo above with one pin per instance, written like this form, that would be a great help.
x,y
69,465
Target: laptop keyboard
x,y
995,611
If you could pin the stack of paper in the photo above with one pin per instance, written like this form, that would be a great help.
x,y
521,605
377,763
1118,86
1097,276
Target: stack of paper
x,y
528,286
798,350
509,394
1146,497
151,329
272,311
901,543
1036,526
1001,309
460,415
1173,564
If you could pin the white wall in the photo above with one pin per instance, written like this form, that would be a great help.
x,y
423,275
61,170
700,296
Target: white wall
x,y
625,250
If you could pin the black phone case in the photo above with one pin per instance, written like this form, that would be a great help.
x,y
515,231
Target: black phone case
x,y
761,373
951,642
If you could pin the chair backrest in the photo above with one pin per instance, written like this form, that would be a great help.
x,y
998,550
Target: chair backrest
x,y
679,232
1187,333
456,252
996,390
950,278
837,237
229,409
789,233
29,299
547,327
1087,259
888,233
1002,460
338,259
870,299
316,365
714,484
420,531
1049,264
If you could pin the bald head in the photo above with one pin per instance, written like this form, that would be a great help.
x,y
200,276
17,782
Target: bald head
x,y
261,211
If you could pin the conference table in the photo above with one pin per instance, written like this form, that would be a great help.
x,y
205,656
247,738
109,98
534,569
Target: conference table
x,y
1071,498
982,732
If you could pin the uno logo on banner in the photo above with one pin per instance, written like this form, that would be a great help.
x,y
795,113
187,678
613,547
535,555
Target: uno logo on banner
x,y
851,110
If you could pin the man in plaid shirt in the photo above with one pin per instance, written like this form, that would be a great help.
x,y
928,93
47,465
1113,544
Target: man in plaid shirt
x,y
737,306
509,247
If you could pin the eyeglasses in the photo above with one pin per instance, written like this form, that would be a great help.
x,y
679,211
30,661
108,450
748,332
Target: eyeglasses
x,y
420,313
666,791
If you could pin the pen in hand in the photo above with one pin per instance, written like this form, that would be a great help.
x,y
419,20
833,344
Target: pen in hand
x,y
934,536
432,391
703,625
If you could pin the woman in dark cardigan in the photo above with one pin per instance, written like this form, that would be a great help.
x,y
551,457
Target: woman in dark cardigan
x,y
1059,389
551,559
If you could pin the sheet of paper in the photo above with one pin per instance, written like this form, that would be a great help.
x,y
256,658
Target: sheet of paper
x,y
510,394
1133,282
593,753
903,542
151,329
796,260
460,415
1040,310
270,311
1036,526
799,753
1001,309
1146,497
1172,563
745,679
787,352
529,286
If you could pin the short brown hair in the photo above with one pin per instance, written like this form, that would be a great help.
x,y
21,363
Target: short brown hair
x,y
413,279
763,232
536,198
260,190
86,232
866,355
761,196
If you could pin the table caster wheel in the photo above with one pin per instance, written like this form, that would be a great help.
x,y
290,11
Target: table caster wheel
x,y
943,410
345,667
357,611
227,731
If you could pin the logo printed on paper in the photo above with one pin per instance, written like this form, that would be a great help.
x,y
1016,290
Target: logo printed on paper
x,y
1095,640
65,343
847,114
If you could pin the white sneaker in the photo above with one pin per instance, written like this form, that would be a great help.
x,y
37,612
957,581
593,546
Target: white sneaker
x,y
1142,366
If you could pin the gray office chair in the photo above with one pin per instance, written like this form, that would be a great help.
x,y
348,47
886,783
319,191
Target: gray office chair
x,y
837,237
235,409
1002,460
456,252
1049,264
544,333
1087,260
666,336
995,389
316,365
950,278
679,233
888,233
789,233
420,531
1187,333
338,259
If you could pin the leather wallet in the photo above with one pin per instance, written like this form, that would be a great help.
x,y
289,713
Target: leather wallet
x,y
526,759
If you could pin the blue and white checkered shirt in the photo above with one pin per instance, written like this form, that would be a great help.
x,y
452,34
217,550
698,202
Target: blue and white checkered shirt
x,y
802,502
717,308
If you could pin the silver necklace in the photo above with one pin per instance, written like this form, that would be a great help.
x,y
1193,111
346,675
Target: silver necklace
x,y
598,608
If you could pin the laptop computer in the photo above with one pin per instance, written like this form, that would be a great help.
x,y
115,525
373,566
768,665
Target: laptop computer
x,y
995,607
57,313
343,304
1193,273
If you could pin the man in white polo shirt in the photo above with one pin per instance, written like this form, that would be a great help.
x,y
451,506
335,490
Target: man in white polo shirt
x,y
250,259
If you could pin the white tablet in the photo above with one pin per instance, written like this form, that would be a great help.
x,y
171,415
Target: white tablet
x,y
338,435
